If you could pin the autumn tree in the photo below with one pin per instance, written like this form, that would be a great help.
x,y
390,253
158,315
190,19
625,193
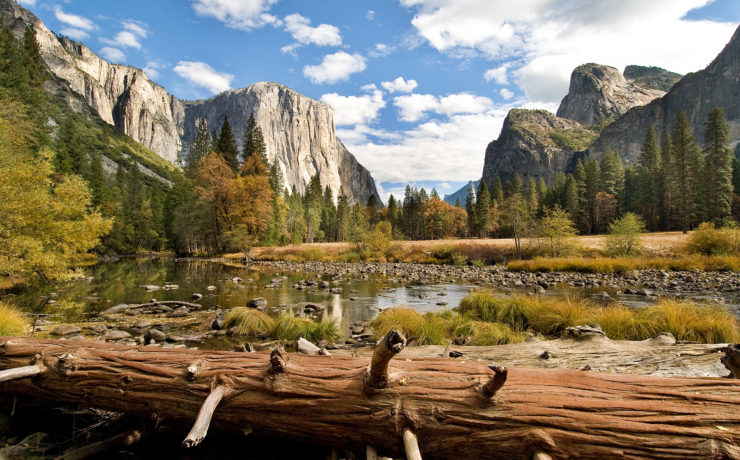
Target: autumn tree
x,y
516,220
556,228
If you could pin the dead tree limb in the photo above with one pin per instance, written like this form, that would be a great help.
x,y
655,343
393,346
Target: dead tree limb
x,y
563,413
20,373
386,348
200,427
121,440
411,445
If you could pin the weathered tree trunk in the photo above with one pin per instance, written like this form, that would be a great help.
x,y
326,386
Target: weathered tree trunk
x,y
339,401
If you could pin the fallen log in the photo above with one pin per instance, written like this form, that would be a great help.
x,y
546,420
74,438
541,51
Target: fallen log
x,y
440,407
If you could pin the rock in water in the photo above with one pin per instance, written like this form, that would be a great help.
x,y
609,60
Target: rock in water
x,y
66,329
257,302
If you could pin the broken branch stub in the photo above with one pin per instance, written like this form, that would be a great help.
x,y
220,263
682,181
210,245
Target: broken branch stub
x,y
386,348
496,382
20,372
731,359
203,421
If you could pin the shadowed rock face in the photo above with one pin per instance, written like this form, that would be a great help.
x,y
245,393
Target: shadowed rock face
x,y
651,77
696,94
599,92
533,143
298,130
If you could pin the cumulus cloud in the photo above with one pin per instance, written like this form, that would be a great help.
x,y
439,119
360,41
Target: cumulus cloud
x,y
335,67
73,20
203,75
129,37
498,74
74,34
506,94
300,28
355,110
543,40
413,107
449,150
136,28
399,85
238,14
370,15
113,55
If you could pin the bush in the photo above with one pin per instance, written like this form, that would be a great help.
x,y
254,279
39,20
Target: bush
x,y
379,239
459,259
709,241
623,237
12,322
249,322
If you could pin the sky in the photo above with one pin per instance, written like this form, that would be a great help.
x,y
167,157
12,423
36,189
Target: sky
x,y
419,87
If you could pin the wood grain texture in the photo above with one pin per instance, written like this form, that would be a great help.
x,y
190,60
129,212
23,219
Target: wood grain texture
x,y
320,399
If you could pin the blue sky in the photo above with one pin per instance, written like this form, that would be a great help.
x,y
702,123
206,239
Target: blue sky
x,y
419,87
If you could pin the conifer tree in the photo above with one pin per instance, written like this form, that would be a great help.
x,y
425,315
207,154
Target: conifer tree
x,y
226,146
33,62
201,146
650,192
497,192
458,203
483,210
686,161
254,141
571,196
612,175
668,201
717,167
470,208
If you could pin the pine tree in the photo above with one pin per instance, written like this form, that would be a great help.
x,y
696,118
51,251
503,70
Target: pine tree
x,y
458,203
571,196
483,210
581,217
666,175
530,196
717,167
686,161
612,175
497,192
254,142
33,62
201,146
593,186
651,184
226,146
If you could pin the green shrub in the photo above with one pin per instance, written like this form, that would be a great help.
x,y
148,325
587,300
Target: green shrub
x,y
709,241
623,238
459,259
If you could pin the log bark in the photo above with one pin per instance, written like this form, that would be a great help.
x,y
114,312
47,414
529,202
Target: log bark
x,y
319,399
731,359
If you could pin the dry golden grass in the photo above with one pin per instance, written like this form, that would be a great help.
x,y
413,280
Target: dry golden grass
x,y
666,244
12,321
621,264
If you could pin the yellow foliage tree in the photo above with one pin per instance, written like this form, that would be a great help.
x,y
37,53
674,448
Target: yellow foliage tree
x,y
444,220
46,223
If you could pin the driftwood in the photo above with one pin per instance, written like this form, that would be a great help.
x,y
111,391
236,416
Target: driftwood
x,y
731,359
389,402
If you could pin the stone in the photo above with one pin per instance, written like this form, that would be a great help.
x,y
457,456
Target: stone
x,y
211,288
313,308
120,308
141,324
175,338
257,302
156,335
151,287
197,296
219,321
66,329
98,329
116,335
180,312
323,284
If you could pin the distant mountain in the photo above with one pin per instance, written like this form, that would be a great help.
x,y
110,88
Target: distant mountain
x,y
606,110
462,194
299,131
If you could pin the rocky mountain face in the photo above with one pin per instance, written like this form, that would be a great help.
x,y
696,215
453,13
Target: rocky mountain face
x,y
696,94
122,96
652,77
598,93
534,143
298,130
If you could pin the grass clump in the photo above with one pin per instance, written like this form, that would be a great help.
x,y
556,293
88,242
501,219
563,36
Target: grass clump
x,y
403,319
621,264
709,240
12,322
550,316
249,322
290,327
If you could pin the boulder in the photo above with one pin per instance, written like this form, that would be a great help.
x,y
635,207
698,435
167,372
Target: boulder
x,y
66,329
257,302
180,312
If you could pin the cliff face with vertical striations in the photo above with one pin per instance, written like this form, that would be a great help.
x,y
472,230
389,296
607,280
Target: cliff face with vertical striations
x,y
298,130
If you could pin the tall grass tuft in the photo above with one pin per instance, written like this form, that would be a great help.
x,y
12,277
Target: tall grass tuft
x,y
689,322
403,319
249,322
621,264
290,327
12,321
551,316
617,321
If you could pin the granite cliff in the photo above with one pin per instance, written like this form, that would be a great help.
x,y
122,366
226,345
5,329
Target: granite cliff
x,y
297,130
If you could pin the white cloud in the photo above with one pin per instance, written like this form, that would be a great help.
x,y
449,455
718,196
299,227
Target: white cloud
x,y
399,85
445,186
450,150
543,40
203,75
506,94
238,14
78,22
137,28
152,69
335,67
370,15
127,39
299,27
413,107
113,55
498,74
74,34
380,50
355,110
